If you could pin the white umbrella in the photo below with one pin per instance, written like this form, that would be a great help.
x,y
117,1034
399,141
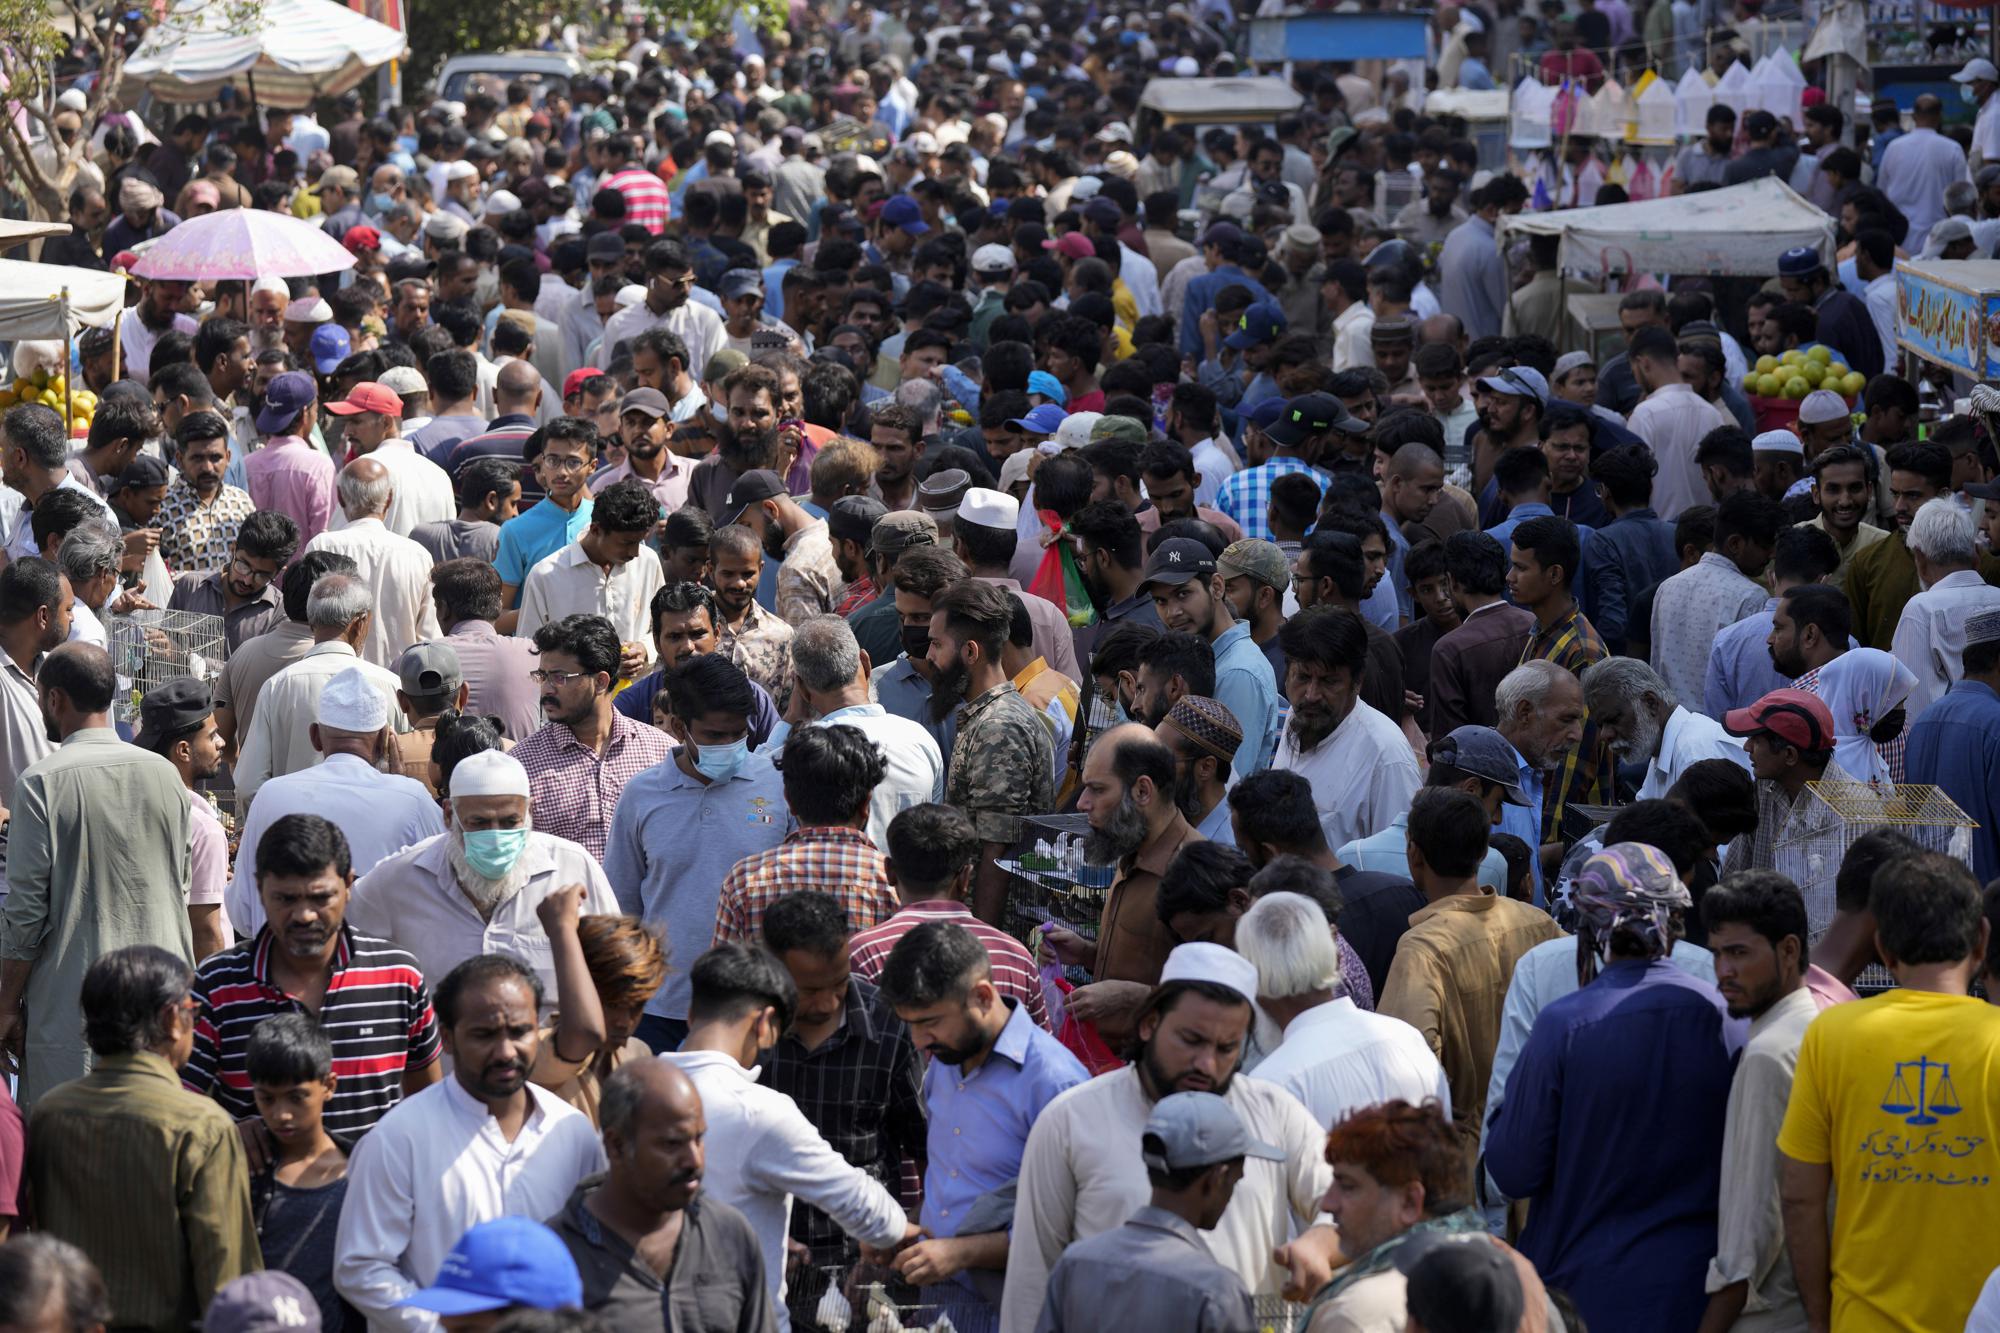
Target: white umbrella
x,y
298,50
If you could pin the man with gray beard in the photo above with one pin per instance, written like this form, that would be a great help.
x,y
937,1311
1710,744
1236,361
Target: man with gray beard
x,y
1639,722
1128,796
474,888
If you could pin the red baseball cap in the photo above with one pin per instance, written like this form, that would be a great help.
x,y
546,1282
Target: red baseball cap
x,y
362,238
369,397
1072,243
576,379
1796,717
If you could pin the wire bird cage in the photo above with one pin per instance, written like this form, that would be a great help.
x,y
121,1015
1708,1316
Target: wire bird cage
x,y
857,1300
150,648
1831,815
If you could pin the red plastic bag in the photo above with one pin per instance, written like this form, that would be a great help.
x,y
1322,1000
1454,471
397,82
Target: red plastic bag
x,y
1078,1035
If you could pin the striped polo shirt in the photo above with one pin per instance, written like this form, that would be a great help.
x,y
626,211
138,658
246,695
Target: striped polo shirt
x,y
376,1012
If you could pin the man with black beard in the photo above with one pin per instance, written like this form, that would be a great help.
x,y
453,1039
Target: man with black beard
x,y
1079,1175
746,442
1135,824
158,310
1204,739
939,980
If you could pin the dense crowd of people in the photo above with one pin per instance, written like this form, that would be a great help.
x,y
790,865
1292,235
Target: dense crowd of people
x,y
861,687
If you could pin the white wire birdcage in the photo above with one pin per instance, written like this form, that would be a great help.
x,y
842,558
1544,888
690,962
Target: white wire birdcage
x,y
1830,816
150,648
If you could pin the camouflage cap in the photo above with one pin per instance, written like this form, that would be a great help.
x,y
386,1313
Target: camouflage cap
x,y
1260,560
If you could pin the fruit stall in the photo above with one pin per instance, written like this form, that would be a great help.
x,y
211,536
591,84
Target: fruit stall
x,y
1776,384
52,301
1948,313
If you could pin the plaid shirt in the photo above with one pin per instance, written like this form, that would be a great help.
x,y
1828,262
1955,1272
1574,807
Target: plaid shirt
x,y
1246,496
1014,972
1891,751
835,860
575,788
194,537
862,1089
1572,644
647,201
859,594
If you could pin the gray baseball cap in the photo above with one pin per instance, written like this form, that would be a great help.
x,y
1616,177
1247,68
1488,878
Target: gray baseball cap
x,y
1194,1129
264,1302
1483,753
428,669
900,529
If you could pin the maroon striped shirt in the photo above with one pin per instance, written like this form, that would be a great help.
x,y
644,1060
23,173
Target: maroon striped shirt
x,y
1014,972
376,1012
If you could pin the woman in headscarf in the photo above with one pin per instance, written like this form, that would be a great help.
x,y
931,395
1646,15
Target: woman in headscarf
x,y
1864,689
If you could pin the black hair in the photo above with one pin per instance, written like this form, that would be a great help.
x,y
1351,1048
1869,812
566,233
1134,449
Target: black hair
x,y
1929,460
1123,648
1327,637
1822,606
29,585
1180,653
1425,561
626,506
452,375
1450,828
302,846
1927,909
1199,879
590,639
808,921
1722,795
1667,825
1804,555
933,962
690,525
268,535
1728,448
1111,527
731,980
709,683
298,581
60,512
123,995
1695,527
1275,806
1552,540
930,844
479,970
286,1050
1751,515
1477,563
1866,856
1520,470
830,773
1764,900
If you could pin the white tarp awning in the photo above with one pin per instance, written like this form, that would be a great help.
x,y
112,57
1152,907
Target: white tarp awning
x,y
299,50
1738,229
31,299
13,233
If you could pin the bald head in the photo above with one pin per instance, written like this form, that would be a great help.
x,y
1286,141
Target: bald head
x,y
1927,110
652,1122
365,489
1413,460
518,387
77,684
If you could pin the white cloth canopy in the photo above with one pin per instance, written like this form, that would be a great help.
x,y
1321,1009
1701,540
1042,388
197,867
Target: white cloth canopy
x,y
299,50
31,300
14,233
1739,229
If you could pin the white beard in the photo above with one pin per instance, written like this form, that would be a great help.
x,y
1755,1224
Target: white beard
x,y
486,894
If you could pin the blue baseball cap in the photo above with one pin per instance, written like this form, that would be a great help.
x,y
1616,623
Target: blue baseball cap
x,y
506,1262
329,347
1267,411
1041,420
286,397
902,211
1263,322
1048,386
1518,382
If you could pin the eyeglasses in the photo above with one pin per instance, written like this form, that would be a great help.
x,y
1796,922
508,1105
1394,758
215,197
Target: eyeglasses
x,y
557,678
564,462
242,569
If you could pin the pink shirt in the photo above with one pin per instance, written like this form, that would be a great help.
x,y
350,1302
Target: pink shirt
x,y
671,490
1826,988
295,479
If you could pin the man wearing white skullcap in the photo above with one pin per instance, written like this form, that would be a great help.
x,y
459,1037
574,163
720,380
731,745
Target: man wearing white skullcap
x,y
984,537
381,813
475,888
1780,460
301,318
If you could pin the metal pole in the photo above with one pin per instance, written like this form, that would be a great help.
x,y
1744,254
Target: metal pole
x,y
69,355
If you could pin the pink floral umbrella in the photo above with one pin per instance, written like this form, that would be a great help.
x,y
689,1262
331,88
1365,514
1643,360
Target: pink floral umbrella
x,y
245,243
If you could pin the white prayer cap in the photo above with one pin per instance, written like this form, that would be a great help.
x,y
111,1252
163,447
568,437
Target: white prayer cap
x,y
1778,442
1214,964
461,170
499,202
629,295
350,703
489,773
1821,406
267,283
985,508
73,99
308,310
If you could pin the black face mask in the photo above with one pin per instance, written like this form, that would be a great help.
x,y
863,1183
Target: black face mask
x,y
916,641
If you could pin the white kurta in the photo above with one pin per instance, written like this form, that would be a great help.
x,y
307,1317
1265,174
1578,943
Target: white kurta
x,y
1362,776
398,572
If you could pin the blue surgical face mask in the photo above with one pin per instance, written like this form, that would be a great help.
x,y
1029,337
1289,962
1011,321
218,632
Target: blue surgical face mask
x,y
381,202
493,851
1966,94
719,763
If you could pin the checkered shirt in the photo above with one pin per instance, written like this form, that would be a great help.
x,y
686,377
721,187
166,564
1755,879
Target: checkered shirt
x,y
1246,496
837,861
195,538
576,789
1572,644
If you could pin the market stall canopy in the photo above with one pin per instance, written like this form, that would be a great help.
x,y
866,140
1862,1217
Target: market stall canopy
x,y
294,51
245,243
14,233
1217,101
32,302
1739,229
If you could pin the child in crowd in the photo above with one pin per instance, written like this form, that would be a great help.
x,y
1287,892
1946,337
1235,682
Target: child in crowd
x,y
297,1194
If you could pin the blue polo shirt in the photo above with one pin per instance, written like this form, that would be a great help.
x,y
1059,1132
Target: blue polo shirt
x,y
541,531
673,839
979,1121
904,693
1246,686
